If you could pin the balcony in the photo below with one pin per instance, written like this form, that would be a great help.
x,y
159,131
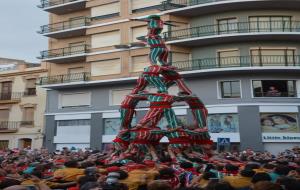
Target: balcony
x,y
62,6
67,54
27,123
66,29
30,92
271,61
10,98
234,32
191,8
68,78
9,126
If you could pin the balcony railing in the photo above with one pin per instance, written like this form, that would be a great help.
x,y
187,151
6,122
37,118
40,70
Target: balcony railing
x,y
27,123
175,4
30,92
9,126
11,96
74,23
232,28
238,61
67,51
50,3
74,77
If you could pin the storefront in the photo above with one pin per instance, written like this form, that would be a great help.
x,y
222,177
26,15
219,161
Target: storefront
x,y
280,131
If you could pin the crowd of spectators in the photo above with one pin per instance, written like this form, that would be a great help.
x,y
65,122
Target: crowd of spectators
x,y
87,170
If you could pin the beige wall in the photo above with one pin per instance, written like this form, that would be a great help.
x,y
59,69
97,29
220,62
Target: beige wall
x,y
19,78
125,26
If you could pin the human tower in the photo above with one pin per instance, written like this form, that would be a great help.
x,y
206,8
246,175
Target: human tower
x,y
141,142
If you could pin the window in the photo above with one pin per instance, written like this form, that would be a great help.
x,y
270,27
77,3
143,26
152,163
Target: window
x,y
75,99
28,116
30,87
177,56
228,25
112,125
230,89
77,47
75,70
279,122
4,114
6,90
138,32
106,39
273,57
223,123
75,44
117,96
106,67
228,58
106,11
274,88
138,63
75,22
138,5
78,122
270,23
76,132
4,144
180,60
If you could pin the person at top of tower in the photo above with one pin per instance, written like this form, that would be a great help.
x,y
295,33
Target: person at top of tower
x,y
158,51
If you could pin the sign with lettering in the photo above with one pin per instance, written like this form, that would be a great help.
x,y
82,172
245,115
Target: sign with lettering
x,y
281,137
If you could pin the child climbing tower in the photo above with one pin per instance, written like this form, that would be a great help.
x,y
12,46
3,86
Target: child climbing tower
x,y
141,142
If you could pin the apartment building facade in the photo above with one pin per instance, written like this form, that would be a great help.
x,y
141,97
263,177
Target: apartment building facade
x,y
22,104
240,57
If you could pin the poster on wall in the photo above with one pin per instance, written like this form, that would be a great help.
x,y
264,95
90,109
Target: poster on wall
x,y
223,123
163,123
112,125
279,123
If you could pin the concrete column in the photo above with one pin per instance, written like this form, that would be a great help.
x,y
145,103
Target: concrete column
x,y
50,132
250,129
96,131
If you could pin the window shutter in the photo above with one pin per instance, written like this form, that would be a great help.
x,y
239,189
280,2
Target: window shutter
x,y
137,32
139,63
76,70
229,58
117,96
30,83
106,67
75,99
106,39
106,9
180,56
139,4
4,115
28,114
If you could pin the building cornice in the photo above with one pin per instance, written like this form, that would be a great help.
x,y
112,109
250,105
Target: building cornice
x,y
14,73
